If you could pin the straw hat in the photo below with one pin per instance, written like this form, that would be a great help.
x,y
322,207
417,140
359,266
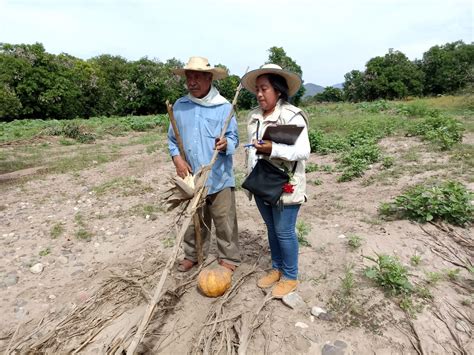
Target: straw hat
x,y
201,64
249,80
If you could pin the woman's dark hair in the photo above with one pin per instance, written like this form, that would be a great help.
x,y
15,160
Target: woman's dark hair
x,y
279,84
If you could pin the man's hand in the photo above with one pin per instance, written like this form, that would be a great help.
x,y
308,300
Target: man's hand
x,y
264,148
182,167
221,144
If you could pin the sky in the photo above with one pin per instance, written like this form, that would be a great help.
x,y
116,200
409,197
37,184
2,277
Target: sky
x,y
326,38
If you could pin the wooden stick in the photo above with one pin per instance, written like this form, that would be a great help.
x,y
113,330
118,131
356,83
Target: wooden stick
x,y
196,222
192,208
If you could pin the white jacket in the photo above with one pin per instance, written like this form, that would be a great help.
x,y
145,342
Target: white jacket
x,y
282,154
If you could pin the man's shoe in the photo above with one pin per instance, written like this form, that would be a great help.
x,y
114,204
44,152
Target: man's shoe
x,y
186,265
284,287
269,279
228,266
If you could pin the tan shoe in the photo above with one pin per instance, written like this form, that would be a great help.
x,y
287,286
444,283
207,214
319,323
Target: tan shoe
x,y
269,279
284,287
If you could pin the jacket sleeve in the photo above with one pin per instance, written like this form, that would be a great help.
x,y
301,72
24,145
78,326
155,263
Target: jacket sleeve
x,y
172,142
298,151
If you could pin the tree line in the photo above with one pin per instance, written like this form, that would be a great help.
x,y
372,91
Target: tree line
x,y
444,69
38,84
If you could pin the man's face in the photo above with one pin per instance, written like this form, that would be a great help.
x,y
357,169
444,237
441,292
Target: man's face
x,y
198,83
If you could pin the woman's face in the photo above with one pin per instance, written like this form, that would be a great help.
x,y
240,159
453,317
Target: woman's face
x,y
267,96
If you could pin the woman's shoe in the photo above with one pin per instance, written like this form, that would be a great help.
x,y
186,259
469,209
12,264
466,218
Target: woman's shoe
x,y
269,279
284,287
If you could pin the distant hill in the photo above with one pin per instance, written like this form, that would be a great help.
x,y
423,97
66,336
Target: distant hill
x,y
312,89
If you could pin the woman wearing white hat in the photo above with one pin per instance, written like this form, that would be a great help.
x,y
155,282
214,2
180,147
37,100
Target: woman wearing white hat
x,y
273,86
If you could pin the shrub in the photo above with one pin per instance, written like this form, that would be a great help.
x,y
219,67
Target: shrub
x,y
449,201
374,106
390,274
441,130
417,109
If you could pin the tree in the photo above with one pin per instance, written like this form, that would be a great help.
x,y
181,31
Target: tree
x,y
393,76
329,94
228,86
354,86
278,56
448,68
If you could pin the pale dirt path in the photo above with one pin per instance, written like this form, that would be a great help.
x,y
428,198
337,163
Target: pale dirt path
x,y
122,237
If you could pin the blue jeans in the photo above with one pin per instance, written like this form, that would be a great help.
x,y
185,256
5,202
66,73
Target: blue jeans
x,y
281,236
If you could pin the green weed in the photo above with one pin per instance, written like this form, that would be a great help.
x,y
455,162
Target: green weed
x,y
83,234
354,241
390,274
45,252
415,260
302,230
311,167
57,230
449,201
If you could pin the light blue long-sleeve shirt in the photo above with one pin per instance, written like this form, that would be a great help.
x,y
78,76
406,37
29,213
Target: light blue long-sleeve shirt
x,y
199,126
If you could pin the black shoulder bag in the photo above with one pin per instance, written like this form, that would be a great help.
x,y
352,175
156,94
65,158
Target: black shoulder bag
x,y
266,181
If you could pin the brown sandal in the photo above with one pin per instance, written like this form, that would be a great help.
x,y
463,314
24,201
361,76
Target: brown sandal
x,y
231,267
186,265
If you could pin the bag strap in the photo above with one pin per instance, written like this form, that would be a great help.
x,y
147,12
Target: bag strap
x,y
294,167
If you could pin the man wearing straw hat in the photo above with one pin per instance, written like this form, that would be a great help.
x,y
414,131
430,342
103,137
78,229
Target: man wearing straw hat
x,y
200,118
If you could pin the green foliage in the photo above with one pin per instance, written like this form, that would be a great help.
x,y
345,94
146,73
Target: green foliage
x,y
415,260
390,274
278,56
34,83
356,161
329,94
45,252
302,230
83,234
448,68
434,277
57,230
390,77
311,167
348,282
449,201
387,162
441,130
416,109
393,76
374,106
324,143
354,241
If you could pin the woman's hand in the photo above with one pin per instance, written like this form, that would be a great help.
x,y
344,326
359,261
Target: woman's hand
x,y
182,166
263,147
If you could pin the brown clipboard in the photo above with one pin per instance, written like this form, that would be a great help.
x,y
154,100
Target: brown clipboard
x,y
286,133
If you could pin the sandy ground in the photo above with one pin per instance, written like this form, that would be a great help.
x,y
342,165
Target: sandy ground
x,y
107,203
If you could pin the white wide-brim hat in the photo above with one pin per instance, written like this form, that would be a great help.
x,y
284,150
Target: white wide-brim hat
x,y
249,80
201,64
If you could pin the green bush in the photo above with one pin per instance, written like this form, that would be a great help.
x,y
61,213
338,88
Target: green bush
x,y
416,109
374,106
357,160
390,274
325,143
449,201
441,130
